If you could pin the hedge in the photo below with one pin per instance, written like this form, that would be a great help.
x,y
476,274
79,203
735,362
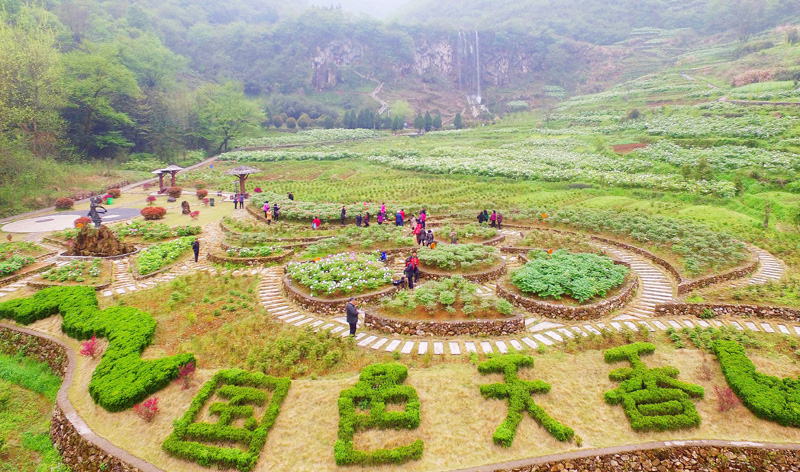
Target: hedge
x,y
122,378
769,398
652,398
243,390
377,385
519,394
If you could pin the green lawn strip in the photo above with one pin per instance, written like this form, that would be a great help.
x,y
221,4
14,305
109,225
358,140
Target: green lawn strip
x,y
32,375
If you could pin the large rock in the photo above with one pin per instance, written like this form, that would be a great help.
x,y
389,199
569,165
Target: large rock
x,y
98,242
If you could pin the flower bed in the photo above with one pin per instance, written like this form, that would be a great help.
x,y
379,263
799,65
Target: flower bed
x,y
471,232
374,237
258,251
459,257
307,211
15,256
161,255
84,272
150,231
450,298
339,275
578,276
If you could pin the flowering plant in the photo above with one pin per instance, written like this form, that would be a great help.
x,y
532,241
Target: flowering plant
x,y
340,274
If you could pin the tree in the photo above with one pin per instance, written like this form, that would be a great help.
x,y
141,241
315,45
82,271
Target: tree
x,y
224,113
437,121
328,122
428,121
277,121
458,123
419,123
703,170
152,62
99,85
291,123
304,121
397,124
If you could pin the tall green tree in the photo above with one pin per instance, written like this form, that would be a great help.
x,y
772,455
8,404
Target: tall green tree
x,y
224,113
419,123
428,121
437,121
458,122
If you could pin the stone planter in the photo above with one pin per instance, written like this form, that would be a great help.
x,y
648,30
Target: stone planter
x,y
720,309
10,279
487,275
687,286
486,327
591,311
66,257
249,261
329,306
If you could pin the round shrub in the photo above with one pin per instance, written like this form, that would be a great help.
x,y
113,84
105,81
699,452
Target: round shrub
x,y
153,213
151,199
115,192
174,192
460,256
580,276
82,221
202,193
64,203
257,190
340,274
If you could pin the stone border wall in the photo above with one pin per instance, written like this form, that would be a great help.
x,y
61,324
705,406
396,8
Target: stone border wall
x,y
479,327
477,277
687,286
80,448
329,306
694,455
66,257
249,261
746,311
577,313
42,285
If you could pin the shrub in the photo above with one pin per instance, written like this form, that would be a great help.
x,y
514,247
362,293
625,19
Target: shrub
x,y
580,276
202,193
147,410
82,221
122,378
770,398
174,192
258,251
652,398
186,373
162,254
151,199
257,190
64,203
153,213
444,294
726,399
520,399
460,256
115,192
377,385
90,348
243,389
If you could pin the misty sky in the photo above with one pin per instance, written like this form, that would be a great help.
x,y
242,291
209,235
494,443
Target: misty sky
x,y
376,8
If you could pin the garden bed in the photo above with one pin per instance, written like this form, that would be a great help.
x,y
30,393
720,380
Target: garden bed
x,y
102,281
478,276
329,306
478,327
34,268
224,259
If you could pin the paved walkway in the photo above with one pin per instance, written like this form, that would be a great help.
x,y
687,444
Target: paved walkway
x,y
61,221
770,269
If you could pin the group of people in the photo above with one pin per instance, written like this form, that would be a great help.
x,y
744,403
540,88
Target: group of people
x,y
271,213
495,219
238,201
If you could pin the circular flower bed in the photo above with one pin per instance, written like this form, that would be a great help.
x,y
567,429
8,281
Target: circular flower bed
x,y
460,257
451,298
579,276
470,232
340,274
258,251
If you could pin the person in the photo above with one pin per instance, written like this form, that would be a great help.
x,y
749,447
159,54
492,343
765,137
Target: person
x,y
380,218
352,315
315,224
269,216
480,217
383,208
398,219
291,196
418,233
413,222
196,248
403,213
429,238
275,209
409,274
266,209
422,218
453,237
241,201
235,201
344,214
383,256
493,219
499,220
358,220
485,216
415,265
400,282
366,220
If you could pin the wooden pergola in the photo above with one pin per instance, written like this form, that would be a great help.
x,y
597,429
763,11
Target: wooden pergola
x,y
242,172
173,169
160,173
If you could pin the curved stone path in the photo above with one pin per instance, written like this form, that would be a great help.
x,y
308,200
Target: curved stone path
x,y
770,268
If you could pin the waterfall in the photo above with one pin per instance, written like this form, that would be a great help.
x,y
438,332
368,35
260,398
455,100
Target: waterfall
x,y
478,66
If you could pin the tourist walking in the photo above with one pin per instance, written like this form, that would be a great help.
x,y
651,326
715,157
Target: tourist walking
x,y
429,238
415,265
422,218
315,224
493,219
380,218
453,237
352,315
235,201
358,220
398,219
196,248
480,217
417,232
499,220
291,196
241,201
344,214
269,216
409,274
266,209
366,220
275,209
383,208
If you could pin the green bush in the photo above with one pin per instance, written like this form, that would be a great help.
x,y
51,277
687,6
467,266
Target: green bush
x,y
652,398
258,251
122,378
161,255
243,390
151,231
520,399
466,257
770,398
580,276
76,271
449,294
377,385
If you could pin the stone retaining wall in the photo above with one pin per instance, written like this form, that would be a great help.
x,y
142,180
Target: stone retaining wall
x,y
249,261
478,277
80,448
747,311
10,279
577,313
687,286
333,306
490,327
44,285
67,258
665,457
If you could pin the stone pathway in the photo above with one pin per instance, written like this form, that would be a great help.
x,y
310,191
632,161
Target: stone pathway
x,y
769,269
